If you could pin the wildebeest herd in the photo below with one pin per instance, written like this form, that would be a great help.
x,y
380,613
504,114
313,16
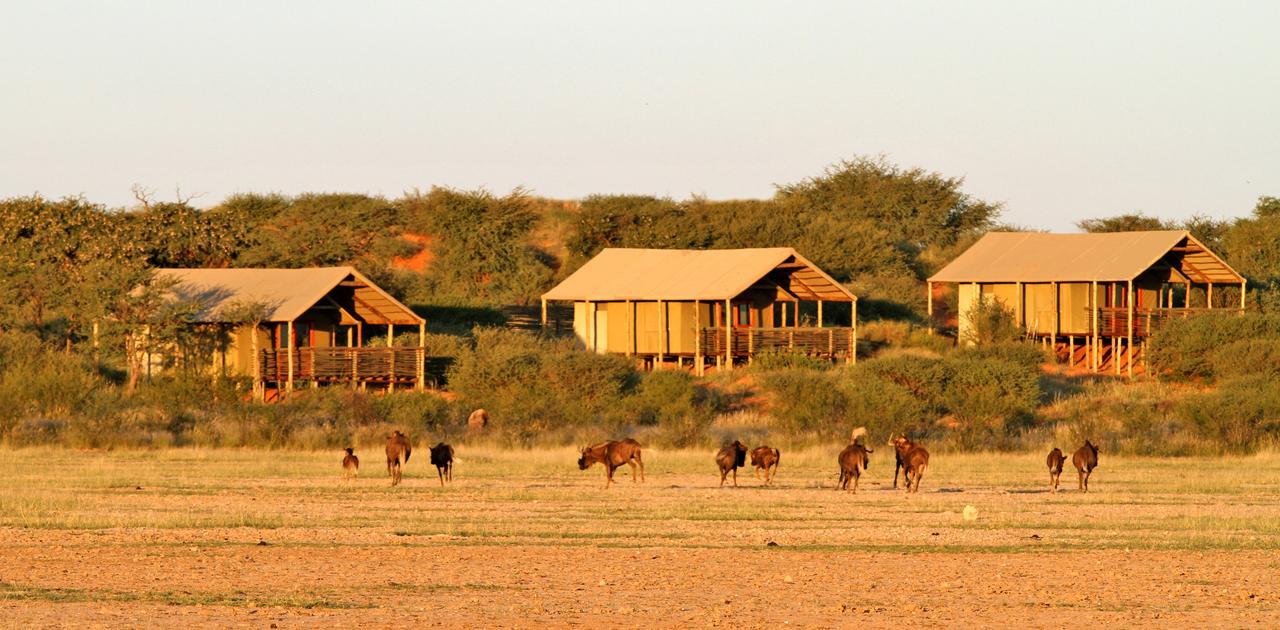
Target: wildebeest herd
x,y
911,459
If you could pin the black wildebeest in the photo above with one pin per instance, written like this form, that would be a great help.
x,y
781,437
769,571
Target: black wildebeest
x,y
1085,460
398,451
442,459
730,459
853,460
913,459
350,464
1054,461
613,454
766,458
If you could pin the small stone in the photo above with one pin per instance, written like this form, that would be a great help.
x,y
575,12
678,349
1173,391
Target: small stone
x,y
970,513
787,579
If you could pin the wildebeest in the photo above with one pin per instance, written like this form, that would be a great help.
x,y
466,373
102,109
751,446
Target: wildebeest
x,y
766,458
1085,460
477,421
398,451
613,454
731,458
442,459
853,460
913,459
897,456
350,464
1054,461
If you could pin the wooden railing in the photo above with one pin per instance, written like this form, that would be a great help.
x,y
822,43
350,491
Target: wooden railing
x,y
1114,321
380,365
818,342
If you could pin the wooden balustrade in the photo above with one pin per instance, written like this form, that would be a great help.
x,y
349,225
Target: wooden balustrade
x,y
379,365
818,342
1114,321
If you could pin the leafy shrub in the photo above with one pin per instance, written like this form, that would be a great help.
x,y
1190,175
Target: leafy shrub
x,y
991,322
1242,416
533,387
1185,348
783,360
1246,357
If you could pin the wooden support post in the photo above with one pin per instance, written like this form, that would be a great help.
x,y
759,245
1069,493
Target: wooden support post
x,y
631,327
1053,333
728,334
853,331
1071,351
697,338
1093,301
359,334
1130,301
544,313
96,361
1186,300
784,315
662,331
831,343
422,355
259,391
391,358
288,385
929,305
1115,355
1242,302
819,313
591,326
1209,296
1019,315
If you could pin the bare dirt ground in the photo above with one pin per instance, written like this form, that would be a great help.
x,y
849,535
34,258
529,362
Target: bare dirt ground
x,y
247,538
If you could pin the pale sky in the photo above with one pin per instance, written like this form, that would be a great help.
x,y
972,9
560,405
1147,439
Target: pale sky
x,y
1061,110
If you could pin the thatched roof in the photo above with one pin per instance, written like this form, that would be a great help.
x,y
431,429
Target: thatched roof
x,y
1106,257
287,293
617,274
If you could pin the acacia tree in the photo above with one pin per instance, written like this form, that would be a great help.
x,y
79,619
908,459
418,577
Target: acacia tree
x,y
63,262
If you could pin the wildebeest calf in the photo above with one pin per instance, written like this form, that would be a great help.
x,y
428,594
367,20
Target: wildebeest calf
x,y
1054,461
350,464
730,458
766,458
613,454
853,460
398,451
1085,460
442,459
913,458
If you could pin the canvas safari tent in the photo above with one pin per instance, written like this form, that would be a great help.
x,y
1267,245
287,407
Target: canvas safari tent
x,y
698,306
1093,298
312,326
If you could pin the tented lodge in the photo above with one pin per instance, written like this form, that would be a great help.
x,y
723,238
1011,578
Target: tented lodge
x,y
1093,298
695,307
310,326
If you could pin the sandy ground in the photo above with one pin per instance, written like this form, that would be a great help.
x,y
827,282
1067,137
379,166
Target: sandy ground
x,y
553,549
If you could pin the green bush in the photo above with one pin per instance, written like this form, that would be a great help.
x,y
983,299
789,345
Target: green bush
x,y
1260,357
991,322
678,405
1241,416
535,387
1185,348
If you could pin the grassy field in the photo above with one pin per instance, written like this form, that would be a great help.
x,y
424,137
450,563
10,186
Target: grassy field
x,y
524,537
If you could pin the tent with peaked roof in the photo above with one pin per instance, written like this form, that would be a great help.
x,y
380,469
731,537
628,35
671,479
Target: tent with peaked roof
x,y
1118,286
728,303
310,324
